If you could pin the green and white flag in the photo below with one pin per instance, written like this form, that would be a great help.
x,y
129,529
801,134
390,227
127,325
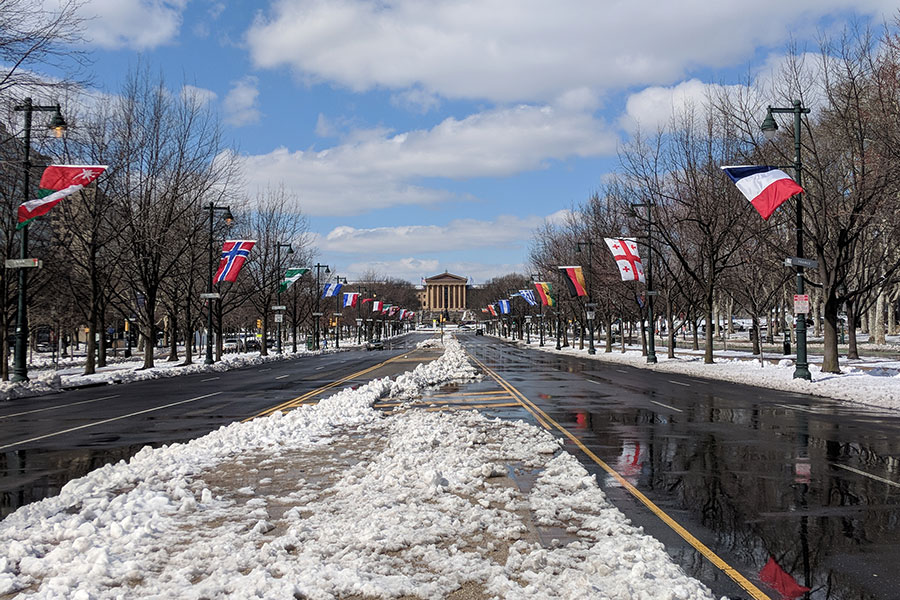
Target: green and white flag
x,y
290,276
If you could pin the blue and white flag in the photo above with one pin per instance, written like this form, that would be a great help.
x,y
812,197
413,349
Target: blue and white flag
x,y
504,306
331,289
528,296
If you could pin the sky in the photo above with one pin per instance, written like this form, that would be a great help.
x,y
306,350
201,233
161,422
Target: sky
x,y
423,137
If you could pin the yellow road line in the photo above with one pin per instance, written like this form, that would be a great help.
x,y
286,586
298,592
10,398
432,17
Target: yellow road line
x,y
466,407
424,403
302,398
488,393
714,558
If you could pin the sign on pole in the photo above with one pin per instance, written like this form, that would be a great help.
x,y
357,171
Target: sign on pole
x,y
801,304
209,296
279,307
801,262
279,317
23,263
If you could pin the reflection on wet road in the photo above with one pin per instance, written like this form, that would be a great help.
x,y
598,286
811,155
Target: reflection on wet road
x,y
793,491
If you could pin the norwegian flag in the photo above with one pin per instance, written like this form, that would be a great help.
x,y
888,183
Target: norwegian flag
x,y
625,251
234,255
350,299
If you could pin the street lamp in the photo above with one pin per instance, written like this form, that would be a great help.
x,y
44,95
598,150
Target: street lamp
x,y
337,313
651,341
359,302
528,329
769,128
290,250
212,208
536,278
58,125
318,313
590,302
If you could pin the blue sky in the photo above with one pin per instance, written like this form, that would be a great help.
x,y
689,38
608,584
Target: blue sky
x,y
429,136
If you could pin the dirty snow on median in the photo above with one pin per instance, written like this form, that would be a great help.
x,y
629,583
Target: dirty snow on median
x,y
338,500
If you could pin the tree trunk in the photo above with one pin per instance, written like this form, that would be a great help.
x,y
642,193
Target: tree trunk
x,y
101,350
670,326
852,348
173,337
90,365
754,337
878,319
830,362
708,351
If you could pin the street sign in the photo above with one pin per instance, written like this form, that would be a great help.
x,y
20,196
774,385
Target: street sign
x,y
279,307
24,263
801,304
209,296
338,314
801,262
279,318
652,293
317,314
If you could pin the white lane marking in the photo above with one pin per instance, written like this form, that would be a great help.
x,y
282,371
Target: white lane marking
x,y
282,376
597,382
800,408
37,410
319,368
209,379
869,475
679,383
622,371
666,406
264,370
120,417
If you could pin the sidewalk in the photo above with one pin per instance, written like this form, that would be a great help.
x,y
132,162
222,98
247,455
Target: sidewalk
x,y
339,500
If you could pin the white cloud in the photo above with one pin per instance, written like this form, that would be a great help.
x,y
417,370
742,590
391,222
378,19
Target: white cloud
x,y
525,50
505,231
378,169
240,103
135,24
200,95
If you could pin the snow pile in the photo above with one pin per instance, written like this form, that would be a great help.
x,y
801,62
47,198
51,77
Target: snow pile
x,y
44,383
432,342
335,500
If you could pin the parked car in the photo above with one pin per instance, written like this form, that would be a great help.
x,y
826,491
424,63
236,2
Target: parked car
x,y
375,345
231,345
252,345
479,332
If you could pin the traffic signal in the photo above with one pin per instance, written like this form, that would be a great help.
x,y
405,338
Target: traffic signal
x,y
259,323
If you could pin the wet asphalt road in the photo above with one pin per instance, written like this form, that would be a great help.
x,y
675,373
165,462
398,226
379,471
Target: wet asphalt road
x,y
48,440
752,473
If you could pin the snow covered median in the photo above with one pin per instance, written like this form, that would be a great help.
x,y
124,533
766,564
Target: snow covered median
x,y
338,500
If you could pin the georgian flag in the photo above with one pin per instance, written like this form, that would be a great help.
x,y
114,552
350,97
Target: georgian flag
x,y
331,290
625,251
57,182
350,299
765,187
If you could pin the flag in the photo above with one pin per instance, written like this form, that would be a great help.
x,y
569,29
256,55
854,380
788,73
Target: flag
x,y
290,277
350,299
393,311
402,314
504,306
780,580
367,300
545,291
765,187
574,281
57,182
377,305
484,310
331,290
625,251
528,296
234,255
492,309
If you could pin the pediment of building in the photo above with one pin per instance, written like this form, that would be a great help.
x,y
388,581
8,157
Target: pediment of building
x,y
446,278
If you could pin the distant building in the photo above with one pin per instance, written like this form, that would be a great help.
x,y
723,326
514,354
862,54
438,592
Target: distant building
x,y
444,292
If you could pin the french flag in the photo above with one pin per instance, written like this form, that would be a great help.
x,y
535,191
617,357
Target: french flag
x,y
765,187
350,299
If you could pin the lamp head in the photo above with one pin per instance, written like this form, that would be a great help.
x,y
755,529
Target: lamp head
x,y
290,249
57,123
769,127
327,270
229,218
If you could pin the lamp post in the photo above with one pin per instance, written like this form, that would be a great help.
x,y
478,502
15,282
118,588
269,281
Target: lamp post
x,y
528,329
536,278
212,208
290,250
58,124
651,340
359,320
590,303
318,313
337,313
769,128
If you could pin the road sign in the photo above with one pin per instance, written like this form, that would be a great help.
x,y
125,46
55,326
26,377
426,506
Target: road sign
x,y
317,314
338,314
279,318
23,263
209,296
279,307
801,262
801,304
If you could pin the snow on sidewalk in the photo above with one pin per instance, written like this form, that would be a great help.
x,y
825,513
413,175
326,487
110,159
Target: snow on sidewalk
x,y
339,500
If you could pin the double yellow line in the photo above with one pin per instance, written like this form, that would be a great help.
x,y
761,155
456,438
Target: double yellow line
x,y
549,424
294,402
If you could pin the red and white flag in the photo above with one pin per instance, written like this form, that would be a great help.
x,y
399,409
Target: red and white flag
x,y
377,305
234,254
625,251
